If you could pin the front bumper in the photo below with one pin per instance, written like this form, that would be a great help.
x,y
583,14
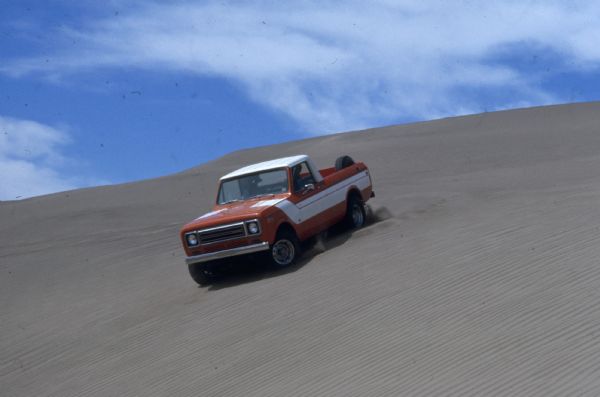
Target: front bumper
x,y
247,249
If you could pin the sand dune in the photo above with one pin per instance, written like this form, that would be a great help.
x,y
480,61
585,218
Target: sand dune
x,y
478,275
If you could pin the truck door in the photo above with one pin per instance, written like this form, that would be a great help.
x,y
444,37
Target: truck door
x,y
306,198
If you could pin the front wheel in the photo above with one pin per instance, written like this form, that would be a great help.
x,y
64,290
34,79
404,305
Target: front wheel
x,y
200,273
285,250
355,213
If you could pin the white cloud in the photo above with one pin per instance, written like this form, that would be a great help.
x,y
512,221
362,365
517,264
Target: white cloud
x,y
340,65
29,159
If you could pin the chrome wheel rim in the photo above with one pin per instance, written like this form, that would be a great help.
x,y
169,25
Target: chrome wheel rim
x,y
358,217
283,252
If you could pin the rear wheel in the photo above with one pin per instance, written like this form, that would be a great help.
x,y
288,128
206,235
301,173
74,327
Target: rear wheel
x,y
343,162
285,250
355,213
200,273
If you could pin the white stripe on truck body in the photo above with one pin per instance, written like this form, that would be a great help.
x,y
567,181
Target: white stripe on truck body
x,y
324,200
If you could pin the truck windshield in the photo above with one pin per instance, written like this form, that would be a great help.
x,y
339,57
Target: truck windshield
x,y
253,185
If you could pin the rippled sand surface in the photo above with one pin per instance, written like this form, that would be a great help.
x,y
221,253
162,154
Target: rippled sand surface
x,y
478,275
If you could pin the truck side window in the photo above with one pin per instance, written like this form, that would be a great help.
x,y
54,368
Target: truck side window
x,y
301,176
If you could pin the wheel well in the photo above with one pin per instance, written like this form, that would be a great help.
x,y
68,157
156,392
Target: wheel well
x,y
353,193
285,227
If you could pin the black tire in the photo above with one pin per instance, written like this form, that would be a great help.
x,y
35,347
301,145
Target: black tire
x,y
285,250
355,213
200,273
343,162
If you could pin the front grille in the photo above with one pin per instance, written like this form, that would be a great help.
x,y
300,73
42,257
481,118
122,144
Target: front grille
x,y
221,233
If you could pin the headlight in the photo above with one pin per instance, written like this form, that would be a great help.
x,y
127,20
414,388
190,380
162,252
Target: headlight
x,y
252,227
192,239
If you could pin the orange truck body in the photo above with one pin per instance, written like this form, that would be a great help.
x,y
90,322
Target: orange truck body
x,y
309,210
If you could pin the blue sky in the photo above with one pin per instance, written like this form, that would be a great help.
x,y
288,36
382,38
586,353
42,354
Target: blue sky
x,y
108,92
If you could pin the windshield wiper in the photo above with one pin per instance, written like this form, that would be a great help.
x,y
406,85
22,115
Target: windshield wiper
x,y
261,195
248,198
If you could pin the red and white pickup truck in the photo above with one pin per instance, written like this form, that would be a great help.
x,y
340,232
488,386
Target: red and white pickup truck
x,y
271,206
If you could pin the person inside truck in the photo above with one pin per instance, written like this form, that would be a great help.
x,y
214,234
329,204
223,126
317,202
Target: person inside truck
x,y
248,187
301,176
296,178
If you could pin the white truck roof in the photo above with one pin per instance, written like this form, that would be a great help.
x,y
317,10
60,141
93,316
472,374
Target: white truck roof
x,y
273,164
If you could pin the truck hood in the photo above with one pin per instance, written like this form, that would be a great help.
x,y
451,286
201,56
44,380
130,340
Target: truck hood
x,y
234,212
